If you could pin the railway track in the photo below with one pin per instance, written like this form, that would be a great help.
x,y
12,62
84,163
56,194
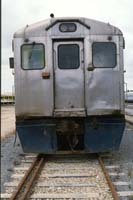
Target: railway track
x,y
63,177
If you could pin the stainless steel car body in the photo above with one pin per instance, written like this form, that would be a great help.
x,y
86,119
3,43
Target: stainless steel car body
x,y
76,92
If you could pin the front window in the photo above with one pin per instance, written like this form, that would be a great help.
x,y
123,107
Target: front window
x,y
104,54
68,56
33,56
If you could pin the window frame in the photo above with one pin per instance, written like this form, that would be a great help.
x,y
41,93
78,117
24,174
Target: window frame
x,y
115,54
78,56
34,43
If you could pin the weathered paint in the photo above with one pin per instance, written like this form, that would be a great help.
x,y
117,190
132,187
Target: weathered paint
x,y
94,134
37,137
103,133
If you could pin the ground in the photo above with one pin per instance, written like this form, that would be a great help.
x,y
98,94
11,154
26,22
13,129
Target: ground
x,y
11,151
7,120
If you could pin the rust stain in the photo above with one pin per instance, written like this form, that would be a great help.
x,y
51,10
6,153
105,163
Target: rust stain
x,y
45,75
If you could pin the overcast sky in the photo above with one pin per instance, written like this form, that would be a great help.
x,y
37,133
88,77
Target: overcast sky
x,y
18,13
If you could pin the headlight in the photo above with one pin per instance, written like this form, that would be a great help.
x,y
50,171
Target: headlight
x,y
67,27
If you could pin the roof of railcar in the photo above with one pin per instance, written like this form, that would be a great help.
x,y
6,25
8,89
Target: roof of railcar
x,y
96,27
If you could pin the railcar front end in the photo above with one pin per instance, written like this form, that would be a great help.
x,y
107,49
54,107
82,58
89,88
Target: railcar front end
x,y
69,86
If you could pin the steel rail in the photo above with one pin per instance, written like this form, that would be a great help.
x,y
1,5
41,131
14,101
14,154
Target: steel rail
x,y
110,184
37,163
30,183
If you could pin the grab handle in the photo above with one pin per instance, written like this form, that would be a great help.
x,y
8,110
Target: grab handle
x,y
90,67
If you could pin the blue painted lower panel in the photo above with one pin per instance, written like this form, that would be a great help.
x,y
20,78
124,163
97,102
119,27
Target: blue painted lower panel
x,y
103,135
100,134
37,138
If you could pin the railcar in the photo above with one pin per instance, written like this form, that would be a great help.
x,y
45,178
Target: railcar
x,y
69,86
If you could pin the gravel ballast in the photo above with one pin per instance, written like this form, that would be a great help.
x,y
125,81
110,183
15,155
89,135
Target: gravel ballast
x,y
11,156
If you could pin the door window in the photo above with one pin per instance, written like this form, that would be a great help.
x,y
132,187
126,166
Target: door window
x,y
68,56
